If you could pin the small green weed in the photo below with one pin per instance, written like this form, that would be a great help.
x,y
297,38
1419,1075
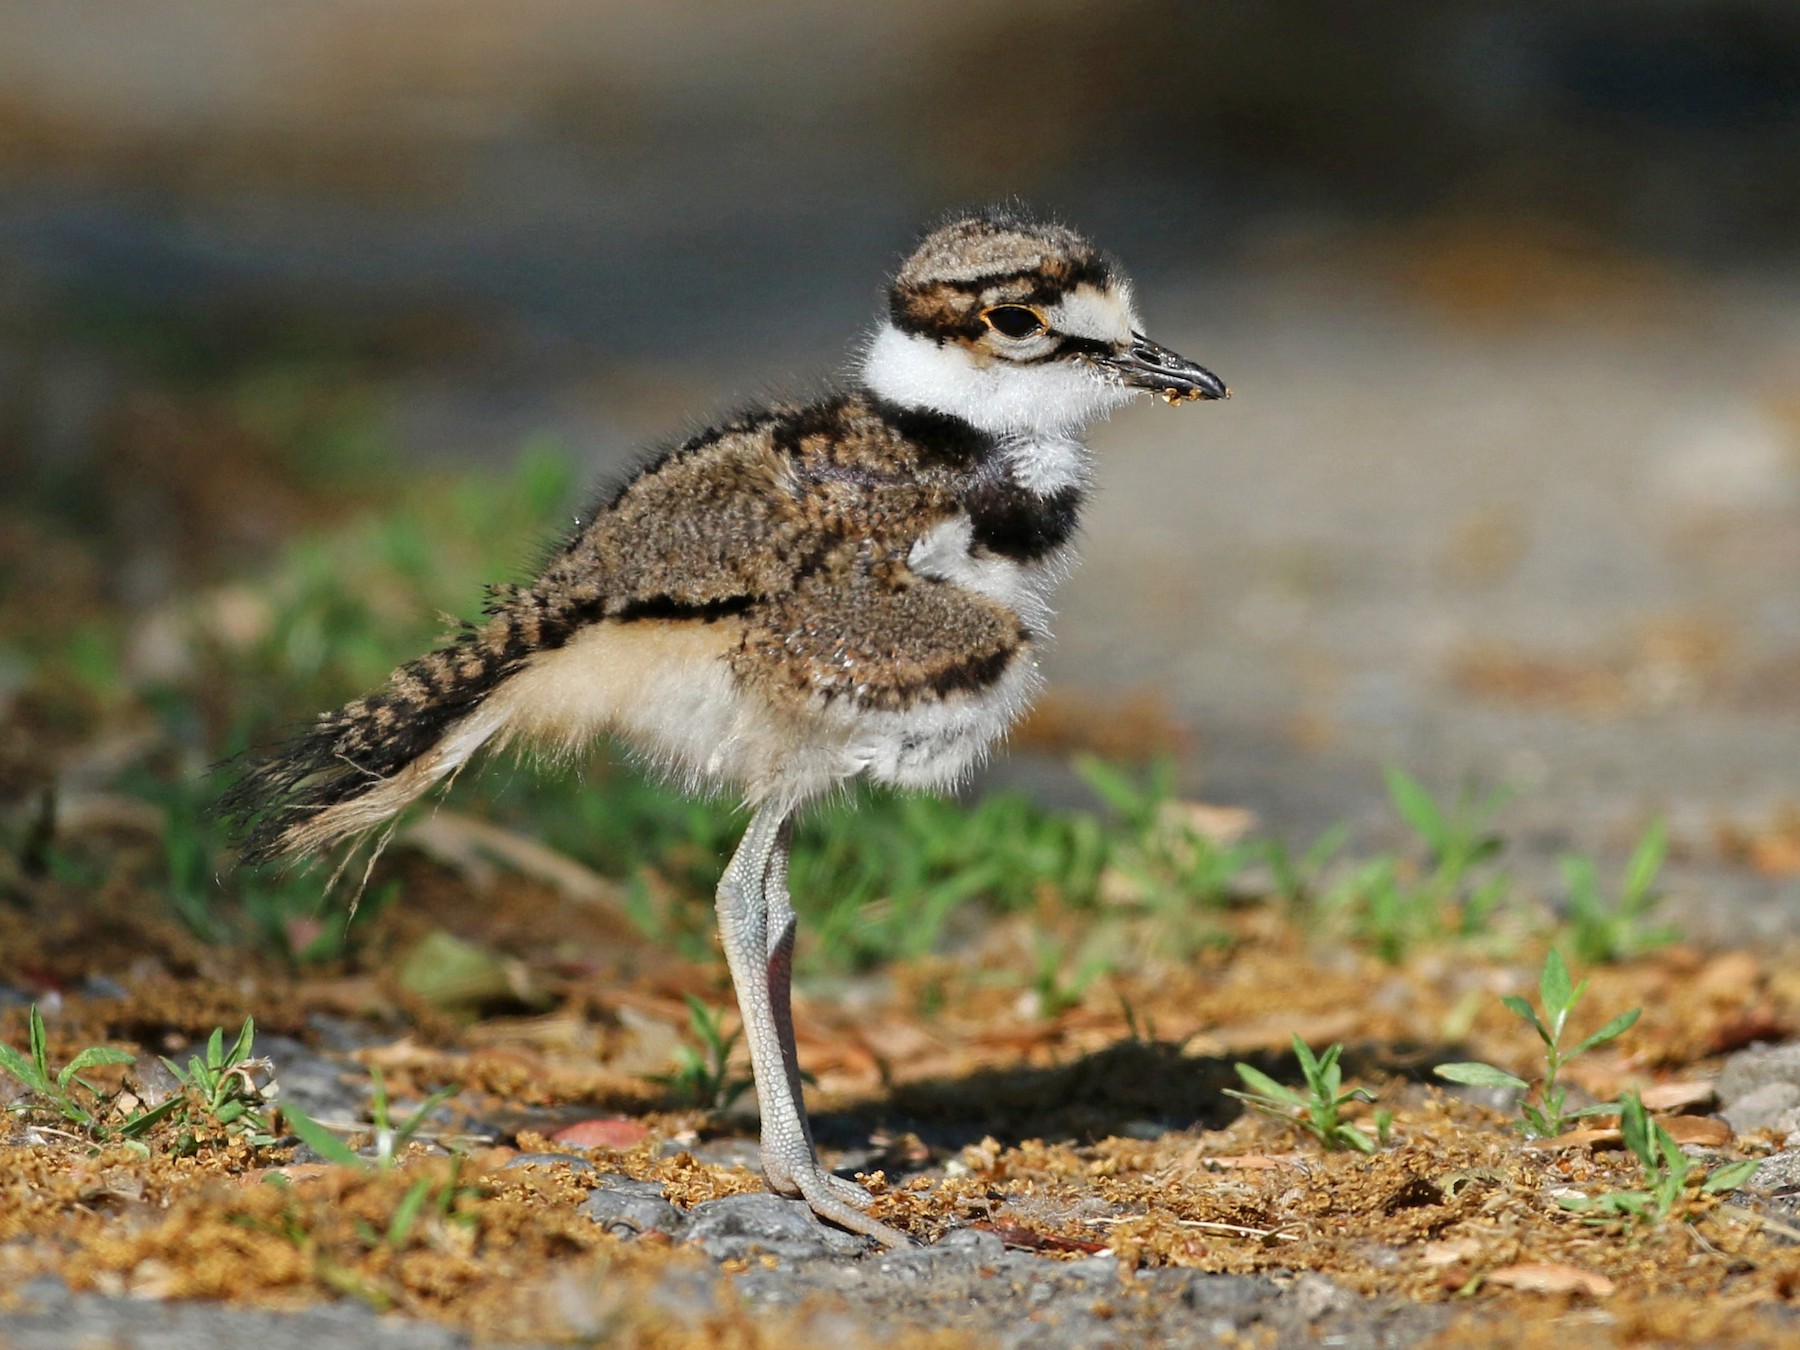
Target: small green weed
x,y
1060,981
1319,1109
222,1092
1394,906
1178,876
391,1137
441,1194
221,1097
1458,839
1604,931
1668,1174
1550,1115
1297,880
65,1092
703,1077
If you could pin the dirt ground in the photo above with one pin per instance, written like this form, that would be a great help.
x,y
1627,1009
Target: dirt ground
x,y
1085,1160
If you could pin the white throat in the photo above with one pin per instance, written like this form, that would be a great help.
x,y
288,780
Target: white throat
x,y
1054,400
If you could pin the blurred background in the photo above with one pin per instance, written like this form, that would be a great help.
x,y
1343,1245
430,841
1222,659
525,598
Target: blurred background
x,y
1508,492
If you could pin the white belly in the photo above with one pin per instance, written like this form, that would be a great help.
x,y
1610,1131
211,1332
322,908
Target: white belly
x,y
936,744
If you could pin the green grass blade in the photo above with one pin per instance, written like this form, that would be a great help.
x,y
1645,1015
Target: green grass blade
x,y
1416,808
88,1058
1646,862
1262,1085
1554,989
1611,1031
1729,1177
1309,1063
1634,1126
419,1118
1476,1074
140,1125
1354,1137
406,1213
378,1103
245,1043
321,1140
15,1064
39,1053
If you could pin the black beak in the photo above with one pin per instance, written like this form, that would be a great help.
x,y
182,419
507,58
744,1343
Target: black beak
x,y
1177,379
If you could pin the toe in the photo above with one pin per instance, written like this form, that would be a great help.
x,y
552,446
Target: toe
x,y
848,1191
828,1206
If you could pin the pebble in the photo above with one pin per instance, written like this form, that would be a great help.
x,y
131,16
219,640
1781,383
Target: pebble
x,y
609,1132
1762,1107
981,1245
1779,1173
1314,1296
632,1208
748,1225
1227,1294
1750,1069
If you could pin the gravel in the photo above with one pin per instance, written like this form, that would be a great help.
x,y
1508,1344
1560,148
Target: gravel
x,y
50,1317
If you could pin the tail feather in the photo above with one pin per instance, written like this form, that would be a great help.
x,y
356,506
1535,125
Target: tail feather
x,y
357,767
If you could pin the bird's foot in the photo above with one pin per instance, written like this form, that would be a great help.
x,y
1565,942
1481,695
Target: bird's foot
x,y
833,1198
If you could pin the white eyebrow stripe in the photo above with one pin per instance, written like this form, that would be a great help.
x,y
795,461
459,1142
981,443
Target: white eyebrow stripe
x,y
1089,312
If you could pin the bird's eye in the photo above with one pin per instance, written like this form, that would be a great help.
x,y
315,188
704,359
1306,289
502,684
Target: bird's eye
x,y
1014,321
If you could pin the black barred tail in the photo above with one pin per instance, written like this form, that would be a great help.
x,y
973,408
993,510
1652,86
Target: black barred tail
x,y
361,765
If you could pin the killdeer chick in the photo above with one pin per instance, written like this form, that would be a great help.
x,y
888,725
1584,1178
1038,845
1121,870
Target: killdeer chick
x,y
804,595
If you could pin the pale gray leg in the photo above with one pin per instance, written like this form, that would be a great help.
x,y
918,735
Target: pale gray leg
x,y
782,925
756,926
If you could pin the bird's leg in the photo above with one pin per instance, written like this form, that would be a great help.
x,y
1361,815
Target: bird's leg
x,y
756,926
782,925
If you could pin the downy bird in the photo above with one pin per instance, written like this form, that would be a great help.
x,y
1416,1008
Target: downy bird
x,y
806,594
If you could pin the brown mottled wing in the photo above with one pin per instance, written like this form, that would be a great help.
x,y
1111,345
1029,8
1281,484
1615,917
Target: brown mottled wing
x,y
809,550
882,637
716,525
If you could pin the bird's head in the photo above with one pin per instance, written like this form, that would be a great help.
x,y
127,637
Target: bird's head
x,y
1020,328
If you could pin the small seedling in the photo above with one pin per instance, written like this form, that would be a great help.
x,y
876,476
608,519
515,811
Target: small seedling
x,y
220,1096
1177,874
441,1193
1318,1110
1297,879
1550,1115
65,1092
1458,839
1668,1173
1394,905
704,1076
1617,930
391,1139
1061,983
222,1090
